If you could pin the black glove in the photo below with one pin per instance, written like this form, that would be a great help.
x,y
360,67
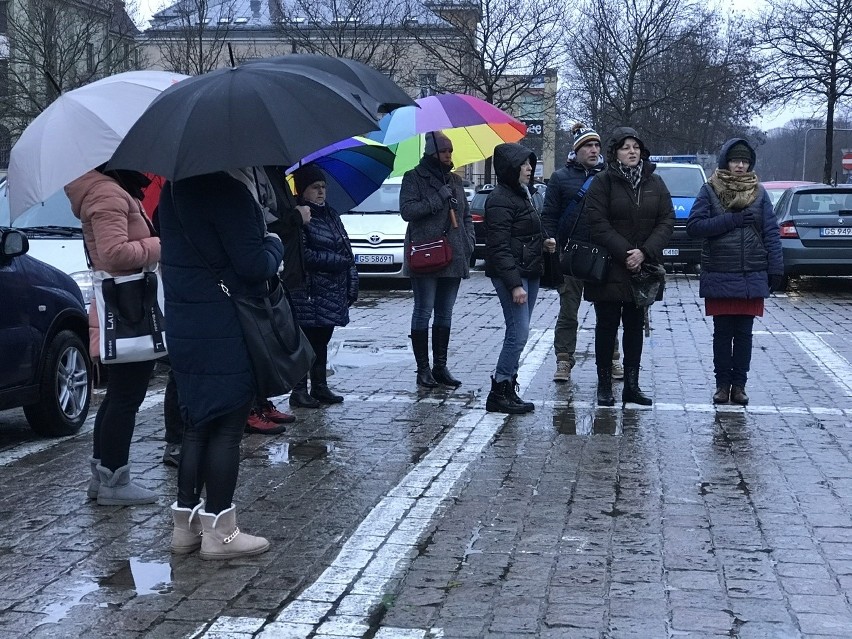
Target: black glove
x,y
446,192
743,218
776,283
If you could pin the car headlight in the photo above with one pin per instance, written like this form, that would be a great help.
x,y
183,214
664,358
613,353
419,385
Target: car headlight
x,y
87,287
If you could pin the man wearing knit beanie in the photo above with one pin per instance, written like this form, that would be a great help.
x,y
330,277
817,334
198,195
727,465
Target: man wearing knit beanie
x,y
562,207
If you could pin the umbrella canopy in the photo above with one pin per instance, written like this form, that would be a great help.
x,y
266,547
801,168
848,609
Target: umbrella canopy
x,y
474,126
380,93
355,168
251,115
79,131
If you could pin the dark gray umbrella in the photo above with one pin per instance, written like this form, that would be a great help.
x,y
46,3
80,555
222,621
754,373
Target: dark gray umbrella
x,y
250,115
380,93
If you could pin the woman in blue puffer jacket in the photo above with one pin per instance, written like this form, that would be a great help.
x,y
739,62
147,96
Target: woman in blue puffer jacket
x,y
741,262
331,284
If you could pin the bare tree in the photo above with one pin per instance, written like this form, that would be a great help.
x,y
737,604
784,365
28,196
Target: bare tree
x,y
58,46
808,44
369,31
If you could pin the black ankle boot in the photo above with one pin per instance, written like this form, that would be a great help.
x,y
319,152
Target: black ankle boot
x,y
323,394
738,395
500,399
420,346
513,390
605,397
299,397
440,345
632,393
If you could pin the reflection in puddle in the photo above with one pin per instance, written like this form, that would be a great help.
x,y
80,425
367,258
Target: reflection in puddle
x,y
56,612
304,451
594,422
356,354
146,578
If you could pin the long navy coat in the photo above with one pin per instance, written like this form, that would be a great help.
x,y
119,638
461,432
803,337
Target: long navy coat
x,y
206,346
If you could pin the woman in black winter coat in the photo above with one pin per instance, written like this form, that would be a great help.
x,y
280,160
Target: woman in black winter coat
x,y
331,284
430,195
515,242
630,213
741,262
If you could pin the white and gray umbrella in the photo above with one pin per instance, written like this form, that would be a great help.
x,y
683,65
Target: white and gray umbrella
x,y
79,131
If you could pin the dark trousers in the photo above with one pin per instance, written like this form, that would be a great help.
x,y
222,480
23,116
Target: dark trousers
x,y
171,413
210,458
732,337
319,337
609,316
116,418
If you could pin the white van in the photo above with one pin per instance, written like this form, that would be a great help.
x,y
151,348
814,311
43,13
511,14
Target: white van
x,y
54,234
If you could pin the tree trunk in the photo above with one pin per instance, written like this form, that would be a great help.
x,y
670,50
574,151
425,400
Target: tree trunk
x,y
829,140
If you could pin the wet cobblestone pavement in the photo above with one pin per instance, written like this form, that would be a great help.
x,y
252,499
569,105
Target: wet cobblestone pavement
x,y
408,515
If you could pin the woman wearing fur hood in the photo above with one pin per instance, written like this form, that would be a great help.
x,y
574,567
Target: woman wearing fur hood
x,y
741,262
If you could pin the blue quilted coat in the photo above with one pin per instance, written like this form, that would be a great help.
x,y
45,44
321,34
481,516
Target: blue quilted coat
x,y
331,280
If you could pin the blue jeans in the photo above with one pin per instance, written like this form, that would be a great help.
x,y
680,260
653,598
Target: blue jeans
x,y
433,293
517,318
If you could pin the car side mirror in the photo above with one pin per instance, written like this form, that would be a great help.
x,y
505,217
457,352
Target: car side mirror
x,y
13,243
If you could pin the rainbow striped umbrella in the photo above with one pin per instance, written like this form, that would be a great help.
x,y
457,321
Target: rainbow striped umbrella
x,y
474,126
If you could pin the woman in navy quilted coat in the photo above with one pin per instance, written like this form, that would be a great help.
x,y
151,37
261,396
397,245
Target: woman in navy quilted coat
x,y
741,262
331,284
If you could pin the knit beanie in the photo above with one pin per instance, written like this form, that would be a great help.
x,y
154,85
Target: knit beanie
x,y
584,134
739,151
435,141
306,175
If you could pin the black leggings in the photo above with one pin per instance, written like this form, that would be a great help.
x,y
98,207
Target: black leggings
x,y
127,385
319,337
210,458
609,316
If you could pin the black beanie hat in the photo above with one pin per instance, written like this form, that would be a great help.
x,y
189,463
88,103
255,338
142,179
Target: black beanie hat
x,y
306,175
739,151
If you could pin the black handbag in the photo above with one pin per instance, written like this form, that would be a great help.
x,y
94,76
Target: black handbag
x,y
584,260
648,284
280,353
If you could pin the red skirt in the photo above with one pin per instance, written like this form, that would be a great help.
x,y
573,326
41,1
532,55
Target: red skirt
x,y
733,306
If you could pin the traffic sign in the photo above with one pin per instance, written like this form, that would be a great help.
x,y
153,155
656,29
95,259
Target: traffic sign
x,y
847,161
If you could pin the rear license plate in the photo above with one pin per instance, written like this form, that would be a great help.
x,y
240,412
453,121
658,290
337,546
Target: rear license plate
x,y
831,231
671,252
386,258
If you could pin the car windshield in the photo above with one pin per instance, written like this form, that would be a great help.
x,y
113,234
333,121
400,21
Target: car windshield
x,y
817,203
681,181
382,201
55,211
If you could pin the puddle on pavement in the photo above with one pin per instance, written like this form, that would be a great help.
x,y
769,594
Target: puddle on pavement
x,y
56,612
598,422
357,354
145,577
306,450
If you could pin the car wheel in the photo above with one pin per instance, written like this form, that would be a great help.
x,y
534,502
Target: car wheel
x,y
64,388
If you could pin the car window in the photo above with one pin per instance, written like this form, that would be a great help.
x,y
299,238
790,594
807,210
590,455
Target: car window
x,y
811,203
775,195
682,181
55,211
384,200
478,201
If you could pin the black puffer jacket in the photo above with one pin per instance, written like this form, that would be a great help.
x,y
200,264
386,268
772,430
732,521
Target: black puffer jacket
x,y
622,219
331,279
561,189
514,233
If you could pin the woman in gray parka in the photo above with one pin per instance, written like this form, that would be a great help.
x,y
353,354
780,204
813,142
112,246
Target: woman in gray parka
x,y
431,198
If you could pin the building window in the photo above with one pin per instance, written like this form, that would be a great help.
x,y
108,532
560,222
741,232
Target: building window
x,y
428,83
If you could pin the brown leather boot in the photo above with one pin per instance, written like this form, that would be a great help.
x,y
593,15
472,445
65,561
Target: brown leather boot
x,y
722,394
738,395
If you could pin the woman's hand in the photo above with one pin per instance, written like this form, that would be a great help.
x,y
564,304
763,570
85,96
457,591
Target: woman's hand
x,y
519,295
635,257
550,245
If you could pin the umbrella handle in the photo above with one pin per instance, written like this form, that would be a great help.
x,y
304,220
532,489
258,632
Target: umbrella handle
x,y
453,220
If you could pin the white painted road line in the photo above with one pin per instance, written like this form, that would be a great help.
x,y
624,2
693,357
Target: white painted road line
x,y
833,364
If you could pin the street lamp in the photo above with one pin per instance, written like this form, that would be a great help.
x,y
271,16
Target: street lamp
x,y
805,152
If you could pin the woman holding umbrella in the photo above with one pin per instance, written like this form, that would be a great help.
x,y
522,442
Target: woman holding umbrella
x,y
432,201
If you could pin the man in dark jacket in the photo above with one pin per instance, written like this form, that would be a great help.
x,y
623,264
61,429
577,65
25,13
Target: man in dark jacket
x,y
562,206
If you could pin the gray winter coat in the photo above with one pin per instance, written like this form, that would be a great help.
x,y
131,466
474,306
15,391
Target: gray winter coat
x,y
427,215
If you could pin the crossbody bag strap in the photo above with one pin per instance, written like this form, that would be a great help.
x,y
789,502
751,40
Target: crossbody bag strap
x,y
581,192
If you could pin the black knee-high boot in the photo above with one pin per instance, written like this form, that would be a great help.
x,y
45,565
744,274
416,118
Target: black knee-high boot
x,y
440,345
420,346
605,397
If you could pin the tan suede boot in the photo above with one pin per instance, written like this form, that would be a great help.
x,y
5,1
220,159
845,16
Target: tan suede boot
x,y
186,534
223,540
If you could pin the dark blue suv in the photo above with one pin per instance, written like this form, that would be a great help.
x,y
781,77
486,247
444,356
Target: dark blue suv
x,y
44,362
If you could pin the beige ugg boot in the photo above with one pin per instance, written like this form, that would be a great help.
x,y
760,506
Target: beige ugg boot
x,y
186,534
223,540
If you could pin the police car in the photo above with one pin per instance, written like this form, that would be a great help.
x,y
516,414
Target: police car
x,y
683,177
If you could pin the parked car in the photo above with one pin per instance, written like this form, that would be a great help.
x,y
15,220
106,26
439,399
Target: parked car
x,y
684,180
377,232
477,212
776,189
44,335
816,229
55,236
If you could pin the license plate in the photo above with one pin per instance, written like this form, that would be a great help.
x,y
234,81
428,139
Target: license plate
x,y
831,231
671,252
385,258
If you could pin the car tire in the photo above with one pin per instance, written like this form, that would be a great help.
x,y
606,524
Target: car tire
x,y
65,388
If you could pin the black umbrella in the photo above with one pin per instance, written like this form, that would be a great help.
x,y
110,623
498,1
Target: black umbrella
x,y
380,93
250,115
